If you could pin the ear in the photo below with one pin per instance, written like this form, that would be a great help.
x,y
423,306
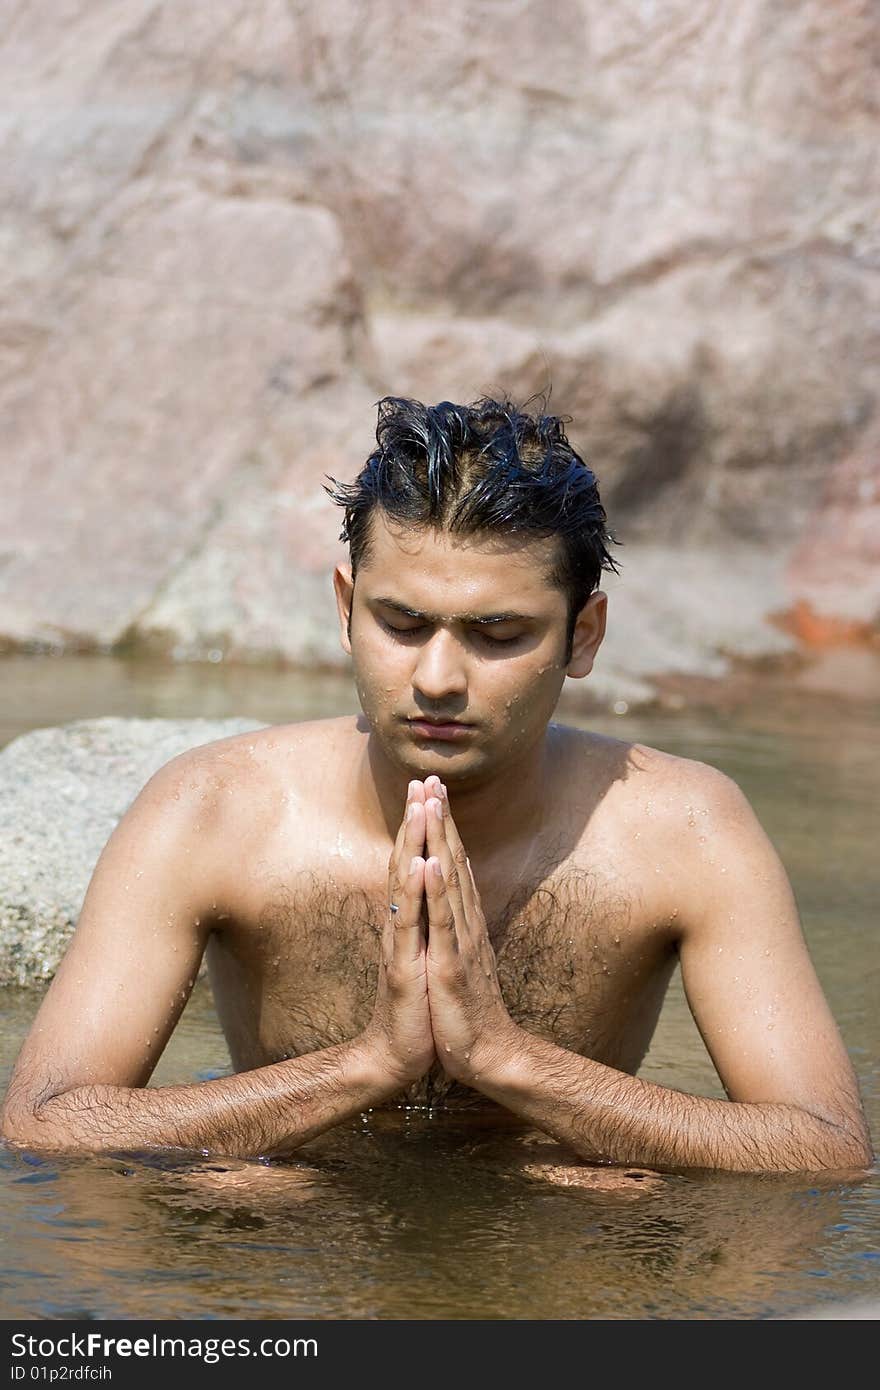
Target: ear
x,y
343,586
588,633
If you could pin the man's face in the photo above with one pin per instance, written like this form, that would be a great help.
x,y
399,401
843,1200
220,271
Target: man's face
x,y
457,645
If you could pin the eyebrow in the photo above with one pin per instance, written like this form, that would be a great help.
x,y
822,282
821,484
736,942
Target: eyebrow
x,y
476,619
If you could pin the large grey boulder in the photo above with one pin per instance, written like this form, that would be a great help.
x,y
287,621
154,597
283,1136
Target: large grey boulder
x,y
62,792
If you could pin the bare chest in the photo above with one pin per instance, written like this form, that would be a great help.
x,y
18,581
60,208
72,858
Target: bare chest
x,y
581,962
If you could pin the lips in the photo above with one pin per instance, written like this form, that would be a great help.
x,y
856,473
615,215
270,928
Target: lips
x,y
442,730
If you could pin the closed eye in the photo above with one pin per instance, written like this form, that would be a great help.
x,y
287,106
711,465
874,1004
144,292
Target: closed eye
x,y
478,634
498,641
400,631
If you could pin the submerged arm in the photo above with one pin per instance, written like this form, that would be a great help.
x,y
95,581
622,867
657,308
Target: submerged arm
x,y
793,1098
269,1111
606,1115
80,1082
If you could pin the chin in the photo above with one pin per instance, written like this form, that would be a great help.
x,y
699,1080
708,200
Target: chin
x,y
450,760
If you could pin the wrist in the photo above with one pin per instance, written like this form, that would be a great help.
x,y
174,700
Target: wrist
x,y
497,1057
378,1069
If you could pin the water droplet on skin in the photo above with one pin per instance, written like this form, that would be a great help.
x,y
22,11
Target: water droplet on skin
x,y
770,1027
467,1056
448,1048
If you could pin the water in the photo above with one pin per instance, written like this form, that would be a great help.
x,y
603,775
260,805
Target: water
x,y
412,1215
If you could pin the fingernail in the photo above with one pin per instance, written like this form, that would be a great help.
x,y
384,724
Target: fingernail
x,y
413,863
438,810
435,869
410,810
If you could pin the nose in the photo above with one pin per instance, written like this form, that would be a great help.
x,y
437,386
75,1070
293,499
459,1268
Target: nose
x,y
440,669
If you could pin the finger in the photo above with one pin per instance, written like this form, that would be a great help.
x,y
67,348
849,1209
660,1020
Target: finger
x,y
414,792
439,848
410,843
459,856
442,938
413,834
410,840
407,926
413,843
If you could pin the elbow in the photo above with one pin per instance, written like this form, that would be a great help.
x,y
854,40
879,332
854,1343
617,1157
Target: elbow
x,y
19,1126
851,1151
859,1153
25,1125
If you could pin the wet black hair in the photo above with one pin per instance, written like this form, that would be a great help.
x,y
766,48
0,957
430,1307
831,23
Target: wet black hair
x,y
488,467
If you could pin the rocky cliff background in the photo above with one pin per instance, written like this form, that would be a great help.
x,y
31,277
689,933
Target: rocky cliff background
x,y
230,227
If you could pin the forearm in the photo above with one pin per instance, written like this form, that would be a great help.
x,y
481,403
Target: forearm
x,y
606,1115
269,1111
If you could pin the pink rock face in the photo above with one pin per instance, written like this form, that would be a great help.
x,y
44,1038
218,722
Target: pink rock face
x,y
834,572
230,229
149,402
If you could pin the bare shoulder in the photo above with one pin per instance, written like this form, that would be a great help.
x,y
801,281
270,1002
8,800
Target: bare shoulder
x,y
258,762
655,807
226,803
640,777
687,787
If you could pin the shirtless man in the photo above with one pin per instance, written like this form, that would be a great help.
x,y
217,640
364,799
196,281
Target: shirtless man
x,y
451,900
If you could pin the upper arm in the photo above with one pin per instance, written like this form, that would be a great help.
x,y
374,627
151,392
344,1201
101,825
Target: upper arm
x,y
747,973
134,956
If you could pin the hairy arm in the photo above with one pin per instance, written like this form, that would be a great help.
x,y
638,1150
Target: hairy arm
x,y
793,1101
606,1115
80,1081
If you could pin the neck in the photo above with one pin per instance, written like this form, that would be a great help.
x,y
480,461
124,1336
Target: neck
x,y
491,813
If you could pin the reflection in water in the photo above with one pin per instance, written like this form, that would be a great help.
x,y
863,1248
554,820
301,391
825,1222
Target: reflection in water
x,y
418,1220
409,1215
